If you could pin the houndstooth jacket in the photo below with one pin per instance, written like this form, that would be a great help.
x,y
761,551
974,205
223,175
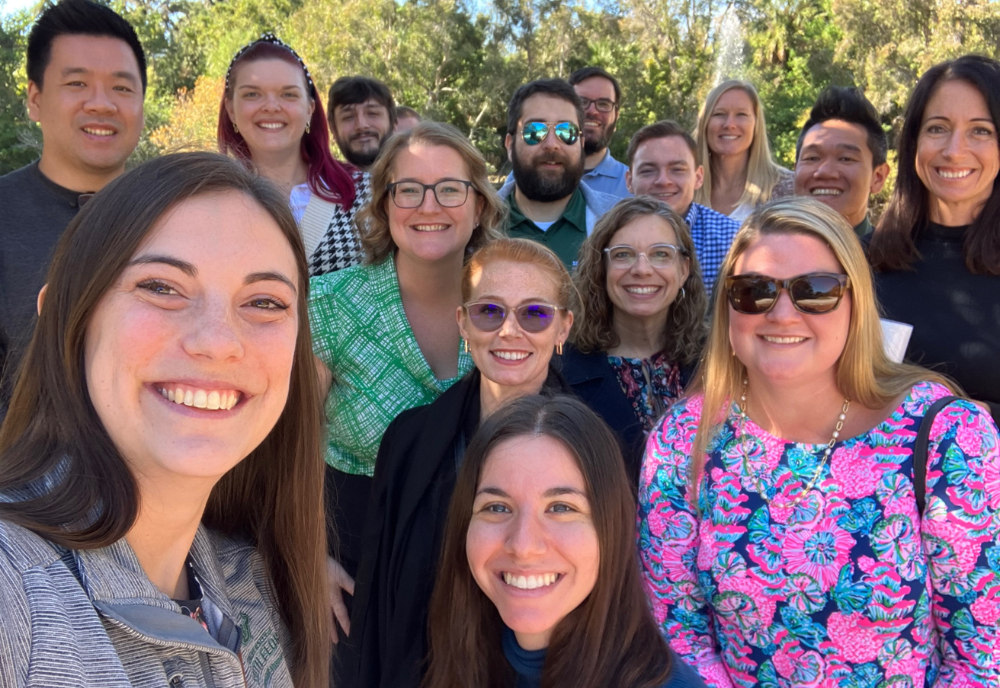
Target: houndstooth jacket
x,y
340,246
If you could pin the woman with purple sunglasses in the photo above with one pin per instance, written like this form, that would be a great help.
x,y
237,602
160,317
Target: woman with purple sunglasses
x,y
515,316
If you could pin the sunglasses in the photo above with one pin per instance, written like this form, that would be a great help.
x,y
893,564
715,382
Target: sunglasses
x,y
534,133
813,293
532,317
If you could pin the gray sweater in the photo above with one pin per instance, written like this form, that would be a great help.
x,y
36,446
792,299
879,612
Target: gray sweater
x,y
71,618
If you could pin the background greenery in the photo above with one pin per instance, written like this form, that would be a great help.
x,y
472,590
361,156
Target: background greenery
x,y
459,61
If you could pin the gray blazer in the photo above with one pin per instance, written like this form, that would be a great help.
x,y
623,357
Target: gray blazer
x,y
71,618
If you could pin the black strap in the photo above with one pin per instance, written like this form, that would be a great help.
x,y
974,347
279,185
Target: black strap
x,y
920,451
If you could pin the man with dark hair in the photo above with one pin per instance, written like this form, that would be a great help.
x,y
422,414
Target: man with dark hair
x,y
600,95
662,163
548,202
406,118
86,82
841,155
362,115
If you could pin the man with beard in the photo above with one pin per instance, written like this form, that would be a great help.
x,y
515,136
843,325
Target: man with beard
x,y
548,201
601,97
362,115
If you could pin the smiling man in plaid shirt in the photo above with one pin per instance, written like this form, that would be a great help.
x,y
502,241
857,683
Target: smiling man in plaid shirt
x,y
662,164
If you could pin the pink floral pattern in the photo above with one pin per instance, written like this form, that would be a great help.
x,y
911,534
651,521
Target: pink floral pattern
x,y
849,588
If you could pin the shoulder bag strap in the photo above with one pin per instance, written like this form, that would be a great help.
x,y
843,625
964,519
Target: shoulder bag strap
x,y
920,450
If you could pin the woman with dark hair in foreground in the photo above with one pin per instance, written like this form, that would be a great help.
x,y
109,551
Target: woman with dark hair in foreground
x,y
160,473
539,582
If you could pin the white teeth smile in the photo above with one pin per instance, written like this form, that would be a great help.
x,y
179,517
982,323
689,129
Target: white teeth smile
x,y
213,400
271,125
530,582
729,137
99,132
784,340
954,175
511,355
826,192
591,123
642,290
430,228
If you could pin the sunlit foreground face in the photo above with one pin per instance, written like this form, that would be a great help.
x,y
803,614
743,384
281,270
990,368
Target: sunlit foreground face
x,y
188,355
532,545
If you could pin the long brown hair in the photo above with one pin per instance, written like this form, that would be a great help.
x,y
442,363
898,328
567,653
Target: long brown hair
x,y
53,434
892,245
685,326
610,640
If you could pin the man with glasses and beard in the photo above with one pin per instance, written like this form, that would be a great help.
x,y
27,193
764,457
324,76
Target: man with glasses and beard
x,y
548,201
362,115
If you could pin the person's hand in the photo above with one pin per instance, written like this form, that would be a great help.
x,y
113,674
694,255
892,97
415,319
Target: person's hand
x,y
340,583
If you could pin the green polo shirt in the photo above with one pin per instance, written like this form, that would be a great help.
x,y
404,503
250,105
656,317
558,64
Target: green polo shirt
x,y
862,228
563,237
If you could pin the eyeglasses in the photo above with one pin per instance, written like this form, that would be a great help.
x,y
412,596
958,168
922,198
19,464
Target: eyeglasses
x,y
658,255
532,317
534,133
602,104
813,293
449,193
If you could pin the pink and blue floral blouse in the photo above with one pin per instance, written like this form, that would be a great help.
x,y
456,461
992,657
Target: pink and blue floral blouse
x,y
850,588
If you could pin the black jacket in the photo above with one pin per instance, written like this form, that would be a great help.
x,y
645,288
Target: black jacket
x,y
592,378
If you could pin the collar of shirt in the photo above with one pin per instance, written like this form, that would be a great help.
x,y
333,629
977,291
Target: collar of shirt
x,y
75,199
864,227
607,167
575,212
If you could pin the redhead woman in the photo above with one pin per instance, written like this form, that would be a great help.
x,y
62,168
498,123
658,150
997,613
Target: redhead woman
x,y
515,315
386,329
539,583
732,146
642,325
793,530
160,483
936,250
271,115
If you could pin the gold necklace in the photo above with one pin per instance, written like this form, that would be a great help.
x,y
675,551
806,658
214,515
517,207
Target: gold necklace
x,y
826,453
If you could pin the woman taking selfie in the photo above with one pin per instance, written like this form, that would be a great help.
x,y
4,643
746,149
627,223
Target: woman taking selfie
x,y
539,583
733,149
643,320
515,315
160,483
271,115
936,250
812,536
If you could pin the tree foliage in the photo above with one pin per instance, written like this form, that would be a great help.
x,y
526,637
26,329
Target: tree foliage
x,y
459,61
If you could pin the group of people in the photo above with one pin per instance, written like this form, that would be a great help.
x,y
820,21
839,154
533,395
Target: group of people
x,y
616,424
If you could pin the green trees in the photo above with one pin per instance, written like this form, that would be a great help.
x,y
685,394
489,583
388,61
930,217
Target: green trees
x,y
459,61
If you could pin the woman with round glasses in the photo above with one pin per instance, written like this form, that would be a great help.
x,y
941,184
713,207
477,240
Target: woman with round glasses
x,y
272,116
514,316
642,325
386,329
792,549
732,146
936,251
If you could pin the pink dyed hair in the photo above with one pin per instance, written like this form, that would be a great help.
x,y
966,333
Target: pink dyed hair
x,y
329,179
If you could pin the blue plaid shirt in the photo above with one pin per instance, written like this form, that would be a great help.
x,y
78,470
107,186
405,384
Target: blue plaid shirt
x,y
712,234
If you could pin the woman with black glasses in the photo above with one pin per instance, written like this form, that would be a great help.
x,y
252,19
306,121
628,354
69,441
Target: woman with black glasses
x,y
936,250
386,329
793,530
641,328
514,316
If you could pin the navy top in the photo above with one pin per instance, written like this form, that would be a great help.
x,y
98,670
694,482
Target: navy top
x,y
527,664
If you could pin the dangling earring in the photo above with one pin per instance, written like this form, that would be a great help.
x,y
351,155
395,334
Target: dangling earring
x,y
465,344
307,127
559,348
681,295
236,129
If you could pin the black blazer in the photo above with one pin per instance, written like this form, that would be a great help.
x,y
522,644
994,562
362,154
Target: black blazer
x,y
591,378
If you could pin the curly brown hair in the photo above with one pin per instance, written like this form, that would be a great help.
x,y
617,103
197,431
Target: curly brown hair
x,y
373,219
594,331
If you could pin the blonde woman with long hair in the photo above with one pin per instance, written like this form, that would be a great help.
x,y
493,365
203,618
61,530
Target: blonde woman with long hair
x,y
740,173
794,544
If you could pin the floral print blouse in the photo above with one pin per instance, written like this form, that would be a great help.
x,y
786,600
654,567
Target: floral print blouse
x,y
848,589
651,385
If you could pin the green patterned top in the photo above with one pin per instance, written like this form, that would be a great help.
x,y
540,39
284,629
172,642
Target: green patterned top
x,y
361,333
